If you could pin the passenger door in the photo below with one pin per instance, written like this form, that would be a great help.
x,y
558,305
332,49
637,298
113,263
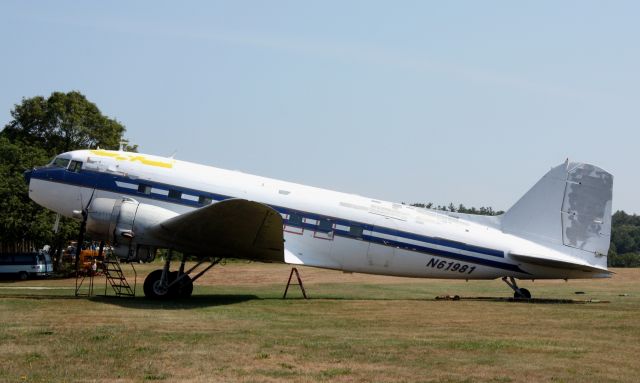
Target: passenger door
x,y
382,243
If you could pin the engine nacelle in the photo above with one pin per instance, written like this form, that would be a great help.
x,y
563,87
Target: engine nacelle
x,y
123,222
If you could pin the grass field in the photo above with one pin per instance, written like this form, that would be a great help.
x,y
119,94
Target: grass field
x,y
356,328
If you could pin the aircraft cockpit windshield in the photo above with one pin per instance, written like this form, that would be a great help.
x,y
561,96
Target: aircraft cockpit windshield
x,y
59,162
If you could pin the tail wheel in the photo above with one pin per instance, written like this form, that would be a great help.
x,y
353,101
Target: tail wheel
x,y
522,294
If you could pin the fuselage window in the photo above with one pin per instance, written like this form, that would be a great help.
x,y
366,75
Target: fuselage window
x,y
295,219
75,166
204,200
174,194
324,225
145,189
356,232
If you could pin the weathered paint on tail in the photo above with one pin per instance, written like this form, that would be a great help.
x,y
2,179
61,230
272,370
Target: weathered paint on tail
x,y
569,209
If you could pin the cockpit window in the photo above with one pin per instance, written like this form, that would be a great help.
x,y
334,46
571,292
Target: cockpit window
x,y
75,166
59,162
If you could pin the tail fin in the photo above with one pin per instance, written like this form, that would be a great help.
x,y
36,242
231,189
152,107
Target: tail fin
x,y
569,208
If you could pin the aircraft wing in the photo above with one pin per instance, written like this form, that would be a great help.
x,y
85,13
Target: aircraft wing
x,y
231,228
557,263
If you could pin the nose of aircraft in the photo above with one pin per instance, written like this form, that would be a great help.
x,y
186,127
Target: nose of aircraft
x,y
27,175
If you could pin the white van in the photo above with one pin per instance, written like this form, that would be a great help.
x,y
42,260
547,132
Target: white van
x,y
25,265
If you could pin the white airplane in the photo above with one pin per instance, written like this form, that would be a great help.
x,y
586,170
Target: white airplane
x,y
560,229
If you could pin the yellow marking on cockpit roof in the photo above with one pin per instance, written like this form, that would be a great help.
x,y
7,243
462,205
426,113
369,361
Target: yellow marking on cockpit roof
x,y
121,156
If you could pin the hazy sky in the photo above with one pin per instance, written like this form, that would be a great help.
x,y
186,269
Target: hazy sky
x,y
463,101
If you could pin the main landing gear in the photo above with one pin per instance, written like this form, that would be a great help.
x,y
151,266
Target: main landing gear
x,y
519,293
165,284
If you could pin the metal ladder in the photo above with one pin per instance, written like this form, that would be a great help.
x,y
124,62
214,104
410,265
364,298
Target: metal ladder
x,y
115,277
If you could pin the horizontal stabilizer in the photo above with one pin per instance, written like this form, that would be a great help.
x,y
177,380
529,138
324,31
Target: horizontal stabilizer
x,y
557,263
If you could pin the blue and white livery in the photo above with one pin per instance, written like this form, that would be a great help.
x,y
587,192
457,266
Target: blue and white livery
x,y
560,229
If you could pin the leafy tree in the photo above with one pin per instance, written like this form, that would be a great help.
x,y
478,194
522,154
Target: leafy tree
x,y
41,128
20,219
624,260
620,218
62,122
625,240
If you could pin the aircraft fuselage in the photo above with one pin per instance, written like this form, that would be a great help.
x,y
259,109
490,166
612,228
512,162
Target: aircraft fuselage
x,y
322,228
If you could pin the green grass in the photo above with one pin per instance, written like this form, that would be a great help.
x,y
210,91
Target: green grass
x,y
354,329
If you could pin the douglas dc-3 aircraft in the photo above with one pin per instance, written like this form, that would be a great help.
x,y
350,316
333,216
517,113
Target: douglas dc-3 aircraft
x,y
560,229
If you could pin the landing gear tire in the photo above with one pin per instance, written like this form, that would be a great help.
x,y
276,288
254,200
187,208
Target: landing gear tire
x,y
153,288
23,275
183,288
522,294
187,289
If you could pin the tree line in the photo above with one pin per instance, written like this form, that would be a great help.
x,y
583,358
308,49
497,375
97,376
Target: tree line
x,y
42,127
625,240
482,210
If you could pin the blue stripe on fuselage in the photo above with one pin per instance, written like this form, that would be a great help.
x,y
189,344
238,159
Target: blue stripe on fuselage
x,y
107,182
444,253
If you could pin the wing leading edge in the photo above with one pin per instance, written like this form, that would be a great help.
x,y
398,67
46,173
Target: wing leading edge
x,y
232,228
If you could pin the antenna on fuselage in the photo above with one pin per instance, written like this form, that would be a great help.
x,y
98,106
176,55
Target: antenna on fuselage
x,y
123,145
173,155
